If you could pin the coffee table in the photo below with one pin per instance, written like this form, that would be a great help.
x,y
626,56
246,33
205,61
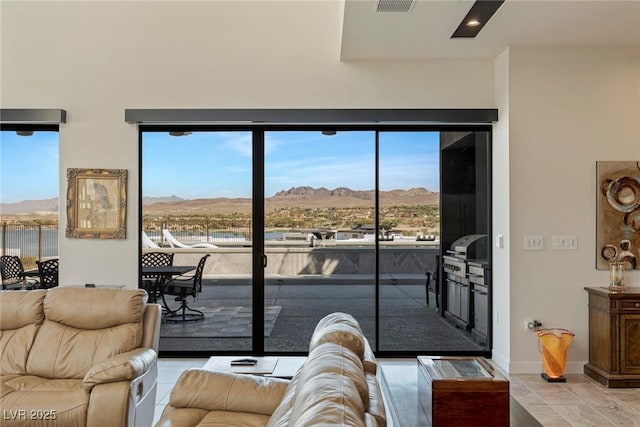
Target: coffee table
x,y
267,366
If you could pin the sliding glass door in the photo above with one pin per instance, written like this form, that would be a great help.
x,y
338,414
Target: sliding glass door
x,y
301,223
197,200
409,189
319,242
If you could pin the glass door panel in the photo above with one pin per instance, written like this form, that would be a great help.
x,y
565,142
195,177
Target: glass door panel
x,y
319,240
443,177
29,176
197,200
409,240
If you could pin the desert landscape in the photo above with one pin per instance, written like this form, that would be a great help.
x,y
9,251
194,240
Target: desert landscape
x,y
412,210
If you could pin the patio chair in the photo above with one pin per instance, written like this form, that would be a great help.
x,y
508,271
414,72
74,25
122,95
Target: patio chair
x,y
174,243
147,242
12,272
151,282
48,272
432,283
183,287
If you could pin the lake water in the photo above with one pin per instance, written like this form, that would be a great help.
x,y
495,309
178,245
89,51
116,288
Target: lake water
x,y
27,242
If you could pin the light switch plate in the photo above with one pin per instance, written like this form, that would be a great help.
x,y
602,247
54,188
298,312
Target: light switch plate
x,y
533,243
564,243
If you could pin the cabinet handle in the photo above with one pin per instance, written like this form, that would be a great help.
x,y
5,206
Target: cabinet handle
x,y
637,305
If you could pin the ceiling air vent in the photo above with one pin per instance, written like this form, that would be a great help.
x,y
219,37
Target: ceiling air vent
x,y
394,5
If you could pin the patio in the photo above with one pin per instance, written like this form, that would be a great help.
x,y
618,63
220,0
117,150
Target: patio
x,y
294,305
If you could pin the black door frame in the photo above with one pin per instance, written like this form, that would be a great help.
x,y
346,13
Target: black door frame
x,y
258,130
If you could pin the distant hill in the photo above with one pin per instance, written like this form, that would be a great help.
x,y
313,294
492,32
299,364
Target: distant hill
x,y
167,199
304,197
45,206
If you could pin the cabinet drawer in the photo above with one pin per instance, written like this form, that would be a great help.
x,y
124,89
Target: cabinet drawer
x,y
630,305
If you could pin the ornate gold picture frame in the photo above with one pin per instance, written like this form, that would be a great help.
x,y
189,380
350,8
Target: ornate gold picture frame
x,y
96,203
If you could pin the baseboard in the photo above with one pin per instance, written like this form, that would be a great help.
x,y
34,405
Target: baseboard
x,y
500,361
536,367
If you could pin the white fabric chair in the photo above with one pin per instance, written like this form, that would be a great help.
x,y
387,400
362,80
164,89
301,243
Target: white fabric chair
x,y
174,243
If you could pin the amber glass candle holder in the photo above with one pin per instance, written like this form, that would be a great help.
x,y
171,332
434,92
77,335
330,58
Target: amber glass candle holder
x,y
554,344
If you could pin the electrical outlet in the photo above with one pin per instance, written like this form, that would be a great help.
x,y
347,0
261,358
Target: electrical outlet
x,y
531,325
533,243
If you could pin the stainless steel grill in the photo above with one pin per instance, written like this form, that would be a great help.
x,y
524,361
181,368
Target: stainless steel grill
x,y
461,272
479,300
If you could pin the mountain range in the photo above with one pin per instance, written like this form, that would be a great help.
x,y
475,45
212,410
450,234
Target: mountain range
x,y
304,197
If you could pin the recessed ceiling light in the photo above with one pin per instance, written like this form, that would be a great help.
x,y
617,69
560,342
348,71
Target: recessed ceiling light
x,y
477,17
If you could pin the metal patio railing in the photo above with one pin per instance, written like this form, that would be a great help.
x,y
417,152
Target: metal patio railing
x,y
31,242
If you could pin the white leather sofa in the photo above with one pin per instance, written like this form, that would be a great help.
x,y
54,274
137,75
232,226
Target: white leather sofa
x,y
78,357
336,386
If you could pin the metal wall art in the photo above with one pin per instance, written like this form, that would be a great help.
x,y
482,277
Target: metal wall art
x,y
618,213
96,203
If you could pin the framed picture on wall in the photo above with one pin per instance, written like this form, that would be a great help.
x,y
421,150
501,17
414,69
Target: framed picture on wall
x,y
618,213
96,203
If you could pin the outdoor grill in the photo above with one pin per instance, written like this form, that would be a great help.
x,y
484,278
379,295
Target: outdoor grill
x,y
468,252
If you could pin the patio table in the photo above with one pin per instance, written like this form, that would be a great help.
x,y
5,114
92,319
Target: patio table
x,y
164,273
33,272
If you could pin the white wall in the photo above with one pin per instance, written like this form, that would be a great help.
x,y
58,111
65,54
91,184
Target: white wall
x,y
501,264
95,59
568,108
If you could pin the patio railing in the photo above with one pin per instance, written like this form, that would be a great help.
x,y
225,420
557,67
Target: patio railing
x,y
30,242
198,229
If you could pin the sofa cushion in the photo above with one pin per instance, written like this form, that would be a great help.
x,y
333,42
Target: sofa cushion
x,y
83,327
21,314
339,333
21,308
172,417
330,357
225,391
86,308
368,358
282,414
28,398
337,318
327,399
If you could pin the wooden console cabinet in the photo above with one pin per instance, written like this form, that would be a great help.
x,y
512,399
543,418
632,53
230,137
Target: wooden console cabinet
x,y
614,337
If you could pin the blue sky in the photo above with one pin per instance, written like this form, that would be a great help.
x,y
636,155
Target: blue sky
x,y
28,166
218,164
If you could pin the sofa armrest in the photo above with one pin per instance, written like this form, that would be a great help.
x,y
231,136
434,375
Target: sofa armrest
x,y
369,359
108,405
122,367
224,391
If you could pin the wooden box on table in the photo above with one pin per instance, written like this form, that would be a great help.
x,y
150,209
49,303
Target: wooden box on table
x,y
462,391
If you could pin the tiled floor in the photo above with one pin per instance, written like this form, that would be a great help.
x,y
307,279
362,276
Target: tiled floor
x,y
578,402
